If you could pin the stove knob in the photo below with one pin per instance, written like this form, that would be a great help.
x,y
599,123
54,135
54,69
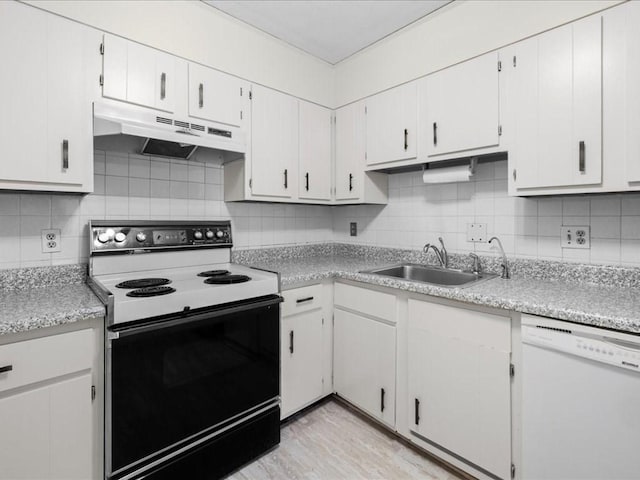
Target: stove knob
x,y
103,237
197,235
120,237
209,234
141,237
219,234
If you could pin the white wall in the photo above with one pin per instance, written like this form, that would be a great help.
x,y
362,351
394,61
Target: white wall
x,y
456,32
198,32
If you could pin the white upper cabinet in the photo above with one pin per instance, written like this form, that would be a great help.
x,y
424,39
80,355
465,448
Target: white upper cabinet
x,y
556,101
460,108
314,172
274,143
352,183
215,96
137,74
46,97
391,125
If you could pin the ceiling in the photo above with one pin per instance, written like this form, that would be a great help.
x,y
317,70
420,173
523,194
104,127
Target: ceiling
x,y
331,30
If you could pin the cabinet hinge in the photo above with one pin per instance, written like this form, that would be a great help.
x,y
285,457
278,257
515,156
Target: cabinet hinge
x,y
514,60
513,471
101,80
499,130
499,66
250,95
93,392
102,49
512,370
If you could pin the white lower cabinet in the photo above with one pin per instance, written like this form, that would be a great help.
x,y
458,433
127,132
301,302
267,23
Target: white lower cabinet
x,y
365,351
46,409
459,383
302,348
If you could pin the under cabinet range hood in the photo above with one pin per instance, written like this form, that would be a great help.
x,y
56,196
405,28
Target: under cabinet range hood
x,y
165,135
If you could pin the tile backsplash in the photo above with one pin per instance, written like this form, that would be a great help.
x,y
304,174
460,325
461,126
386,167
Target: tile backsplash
x,y
528,227
130,186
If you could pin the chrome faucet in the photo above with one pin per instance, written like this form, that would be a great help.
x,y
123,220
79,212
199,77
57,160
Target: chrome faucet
x,y
505,265
477,266
441,254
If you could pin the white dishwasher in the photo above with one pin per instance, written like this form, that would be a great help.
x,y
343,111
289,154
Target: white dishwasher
x,y
580,402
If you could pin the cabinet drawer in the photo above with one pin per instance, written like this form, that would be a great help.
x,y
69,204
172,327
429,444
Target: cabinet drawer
x,y
301,300
369,302
45,358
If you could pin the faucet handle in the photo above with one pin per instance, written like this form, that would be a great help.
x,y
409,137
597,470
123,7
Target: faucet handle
x,y
476,267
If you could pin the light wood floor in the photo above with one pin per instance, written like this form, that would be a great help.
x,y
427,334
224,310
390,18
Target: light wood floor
x,y
331,442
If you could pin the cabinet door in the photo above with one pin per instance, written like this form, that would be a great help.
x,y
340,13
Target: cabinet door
x,y
350,151
46,97
301,360
364,364
314,179
462,107
459,384
137,74
215,96
392,125
557,107
274,143
47,431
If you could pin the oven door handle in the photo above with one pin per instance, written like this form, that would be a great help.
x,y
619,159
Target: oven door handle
x,y
179,319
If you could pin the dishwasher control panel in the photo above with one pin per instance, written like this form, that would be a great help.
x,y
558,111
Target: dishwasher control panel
x,y
602,349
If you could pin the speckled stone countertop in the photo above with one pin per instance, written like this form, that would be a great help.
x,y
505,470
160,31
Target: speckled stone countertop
x,y
595,303
32,298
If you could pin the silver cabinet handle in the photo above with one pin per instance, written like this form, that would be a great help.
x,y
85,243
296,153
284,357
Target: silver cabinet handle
x,y
581,157
163,86
65,154
201,95
6,368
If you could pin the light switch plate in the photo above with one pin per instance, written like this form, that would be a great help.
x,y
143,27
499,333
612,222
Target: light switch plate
x,y
575,236
476,232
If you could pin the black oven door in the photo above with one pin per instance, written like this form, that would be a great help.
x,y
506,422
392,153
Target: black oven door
x,y
172,379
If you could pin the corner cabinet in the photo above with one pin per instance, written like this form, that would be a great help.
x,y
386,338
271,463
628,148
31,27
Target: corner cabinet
x,y
392,125
460,109
46,409
556,100
46,93
352,183
459,383
365,350
305,339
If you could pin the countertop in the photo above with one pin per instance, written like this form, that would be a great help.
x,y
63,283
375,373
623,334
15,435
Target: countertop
x,y
615,308
43,302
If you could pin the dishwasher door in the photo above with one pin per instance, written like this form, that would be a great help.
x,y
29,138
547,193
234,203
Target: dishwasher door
x,y
581,402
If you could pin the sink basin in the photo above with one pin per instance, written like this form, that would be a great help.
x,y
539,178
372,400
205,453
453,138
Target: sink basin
x,y
442,277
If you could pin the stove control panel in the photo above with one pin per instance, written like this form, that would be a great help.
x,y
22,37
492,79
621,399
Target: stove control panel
x,y
127,237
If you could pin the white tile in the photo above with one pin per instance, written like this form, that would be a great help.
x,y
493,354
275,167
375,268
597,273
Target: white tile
x,y
139,167
93,206
69,225
526,246
117,206
160,207
630,228
117,186
196,173
576,220
550,227
117,164
549,207
160,169
99,162
606,205
139,207
160,189
196,208
179,208
139,187
606,227
10,226
630,252
605,251
575,207
31,250
9,204
526,207
549,248
35,204
99,184
179,190
179,171
576,255
527,226
630,204
196,191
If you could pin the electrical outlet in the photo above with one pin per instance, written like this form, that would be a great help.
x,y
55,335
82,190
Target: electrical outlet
x,y
353,229
51,241
476,232
575,237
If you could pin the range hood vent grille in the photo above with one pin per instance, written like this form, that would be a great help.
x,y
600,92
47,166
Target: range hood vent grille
x,y
195,126
178,123
167,121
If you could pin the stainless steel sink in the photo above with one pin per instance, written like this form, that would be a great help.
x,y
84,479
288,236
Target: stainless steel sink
x,y
442,277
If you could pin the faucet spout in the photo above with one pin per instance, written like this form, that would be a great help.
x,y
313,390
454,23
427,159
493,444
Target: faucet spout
x,y
443,253
439,256
505,264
